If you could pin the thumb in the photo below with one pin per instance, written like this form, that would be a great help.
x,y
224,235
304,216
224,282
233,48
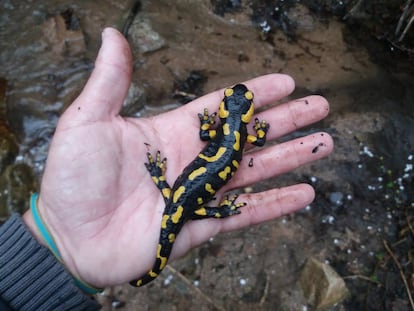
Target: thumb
x,y
108,85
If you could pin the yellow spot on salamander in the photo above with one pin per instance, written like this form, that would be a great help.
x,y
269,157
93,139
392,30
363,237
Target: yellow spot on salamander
x,y
197,172
212,133
155,180
171,237
166,192
201,211
236,145
225,202
200,201
152,274
163,260
223,113
164,221
251,139
178,193
223,174
162,178
248,115
226,129
205,127
261,133
176,217
235,163
209,189
228,92
215,157
248,95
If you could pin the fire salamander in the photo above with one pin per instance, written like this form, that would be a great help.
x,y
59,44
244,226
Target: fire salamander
x,y
214,166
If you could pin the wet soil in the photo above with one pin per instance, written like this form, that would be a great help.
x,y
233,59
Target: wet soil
x,y
364,189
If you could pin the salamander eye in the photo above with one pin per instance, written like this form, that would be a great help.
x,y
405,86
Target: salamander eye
x,y
228,92
248,95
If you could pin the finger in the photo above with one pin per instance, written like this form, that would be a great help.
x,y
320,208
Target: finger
x,y
266,89
261,207
268,205
288,117
108,84
269,88
282,158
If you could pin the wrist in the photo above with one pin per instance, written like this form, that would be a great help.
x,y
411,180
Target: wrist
x,y
40,230
30,224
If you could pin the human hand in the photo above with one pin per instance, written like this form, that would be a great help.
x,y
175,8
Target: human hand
x,y
99,201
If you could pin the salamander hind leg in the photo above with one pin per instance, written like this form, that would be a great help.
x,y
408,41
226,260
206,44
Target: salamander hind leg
x,y
227,207
261,128
157,167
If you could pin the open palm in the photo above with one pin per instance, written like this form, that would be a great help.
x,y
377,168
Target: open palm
x,y
99,201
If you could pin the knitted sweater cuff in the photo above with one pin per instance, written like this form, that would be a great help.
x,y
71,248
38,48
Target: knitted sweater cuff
x,y
31,278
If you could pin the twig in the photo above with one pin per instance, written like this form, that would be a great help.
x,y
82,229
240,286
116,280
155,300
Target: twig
x,y
410,226
406,28
363,277
194,288
400,47
403,17
354,9
265,292
407,288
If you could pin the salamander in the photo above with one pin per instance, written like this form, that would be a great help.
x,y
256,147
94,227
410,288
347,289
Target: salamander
x,y
213,167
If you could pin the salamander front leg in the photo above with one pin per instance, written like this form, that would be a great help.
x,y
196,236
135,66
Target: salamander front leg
x,y
227,207
261,128
157,170
206,121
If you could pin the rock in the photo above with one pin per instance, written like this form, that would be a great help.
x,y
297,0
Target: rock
x,y
321,285
336,198
16,184
302,18
143,38
134,102
64,35
8,148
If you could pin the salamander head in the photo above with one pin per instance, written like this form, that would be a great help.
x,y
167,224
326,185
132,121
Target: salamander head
x,y
237,100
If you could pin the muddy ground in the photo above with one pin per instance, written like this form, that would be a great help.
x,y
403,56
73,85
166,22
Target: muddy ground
x,y
182,50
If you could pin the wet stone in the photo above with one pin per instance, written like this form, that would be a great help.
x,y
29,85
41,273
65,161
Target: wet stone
x,y
134,102
221,7
321,285
16,184
303,18
64,35
336,198
117,304
192,87
8,148
143,38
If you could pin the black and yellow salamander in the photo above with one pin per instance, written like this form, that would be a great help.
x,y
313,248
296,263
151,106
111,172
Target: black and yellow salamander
x,y
214,166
